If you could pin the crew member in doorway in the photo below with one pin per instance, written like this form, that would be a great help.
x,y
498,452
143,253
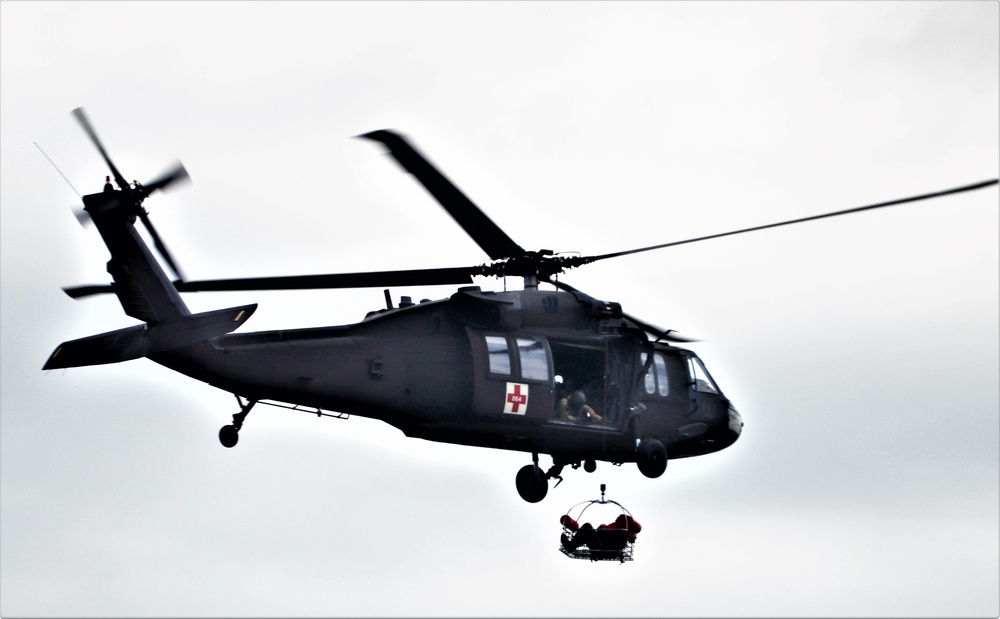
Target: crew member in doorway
x,y
575,408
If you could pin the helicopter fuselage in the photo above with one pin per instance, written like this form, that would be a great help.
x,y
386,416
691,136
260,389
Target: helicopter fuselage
x,y
486,369
556,372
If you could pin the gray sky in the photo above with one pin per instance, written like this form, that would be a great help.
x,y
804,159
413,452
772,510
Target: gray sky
x,y
861,351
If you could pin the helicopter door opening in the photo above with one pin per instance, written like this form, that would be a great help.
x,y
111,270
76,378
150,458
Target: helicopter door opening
x,y
594,370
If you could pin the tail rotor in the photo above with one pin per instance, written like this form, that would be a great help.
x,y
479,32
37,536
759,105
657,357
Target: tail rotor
x,y
134,193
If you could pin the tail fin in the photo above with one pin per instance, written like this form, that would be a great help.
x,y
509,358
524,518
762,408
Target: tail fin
x,y
142,286
144,340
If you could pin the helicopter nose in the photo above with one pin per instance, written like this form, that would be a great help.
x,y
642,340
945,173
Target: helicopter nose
x,y
735,423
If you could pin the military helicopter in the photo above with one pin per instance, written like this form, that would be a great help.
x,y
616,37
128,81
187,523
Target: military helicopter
x,y
554,372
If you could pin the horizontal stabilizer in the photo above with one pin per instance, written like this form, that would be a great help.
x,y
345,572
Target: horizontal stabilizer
x,y
112,347
144,340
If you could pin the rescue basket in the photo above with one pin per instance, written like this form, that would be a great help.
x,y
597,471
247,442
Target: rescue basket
x,y
614,541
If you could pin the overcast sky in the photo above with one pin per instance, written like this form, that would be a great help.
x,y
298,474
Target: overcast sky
x,y
861,351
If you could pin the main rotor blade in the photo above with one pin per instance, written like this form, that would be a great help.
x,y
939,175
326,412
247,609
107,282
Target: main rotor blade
x,y
175,175
160,245
81,117
415,277
669,335
661,334
925,196
476,224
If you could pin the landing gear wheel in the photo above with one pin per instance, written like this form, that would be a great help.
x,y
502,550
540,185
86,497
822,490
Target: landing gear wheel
x,y
532,484
228,436
652,457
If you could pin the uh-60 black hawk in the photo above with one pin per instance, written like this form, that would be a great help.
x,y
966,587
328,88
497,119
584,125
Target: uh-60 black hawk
x,y
506,370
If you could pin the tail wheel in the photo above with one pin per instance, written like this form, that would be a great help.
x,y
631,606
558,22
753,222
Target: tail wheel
x,y
230,435
532,483
652,457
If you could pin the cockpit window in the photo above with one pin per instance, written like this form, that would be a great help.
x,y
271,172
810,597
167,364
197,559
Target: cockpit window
x,y
650,377
662,386
656,375
702,380
499,355
534,361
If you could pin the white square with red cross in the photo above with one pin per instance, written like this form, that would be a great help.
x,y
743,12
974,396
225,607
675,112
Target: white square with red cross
x,y
516,402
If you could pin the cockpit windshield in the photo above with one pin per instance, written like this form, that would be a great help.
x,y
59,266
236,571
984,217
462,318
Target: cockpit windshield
x,y
702,379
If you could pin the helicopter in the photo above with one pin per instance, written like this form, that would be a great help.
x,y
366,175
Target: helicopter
x,y
511,370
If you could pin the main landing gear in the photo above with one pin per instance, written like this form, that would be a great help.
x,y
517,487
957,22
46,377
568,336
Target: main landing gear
x,y
651,457
533,484
230,435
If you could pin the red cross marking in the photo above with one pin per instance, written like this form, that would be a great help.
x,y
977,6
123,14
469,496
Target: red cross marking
x,y
517,398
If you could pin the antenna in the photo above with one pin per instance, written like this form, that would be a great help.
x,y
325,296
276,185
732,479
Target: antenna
x,y
59,171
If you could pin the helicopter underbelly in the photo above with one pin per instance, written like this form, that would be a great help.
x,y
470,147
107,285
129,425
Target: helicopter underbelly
x,y
551,437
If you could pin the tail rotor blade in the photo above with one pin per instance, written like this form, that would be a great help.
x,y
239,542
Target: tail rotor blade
x,y
160,245
176,174
83,217
81,117
78,292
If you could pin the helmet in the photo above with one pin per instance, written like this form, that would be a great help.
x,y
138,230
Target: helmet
x,y
577,399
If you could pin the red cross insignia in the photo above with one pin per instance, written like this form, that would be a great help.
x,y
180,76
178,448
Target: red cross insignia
x,y
516,402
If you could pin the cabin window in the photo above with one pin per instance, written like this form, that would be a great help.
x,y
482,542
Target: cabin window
x,y
534,361
523,357
496,347
656,375
702,380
